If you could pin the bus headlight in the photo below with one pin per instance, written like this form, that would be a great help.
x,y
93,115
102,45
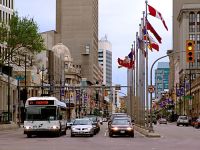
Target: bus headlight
x,y
55,127
27,127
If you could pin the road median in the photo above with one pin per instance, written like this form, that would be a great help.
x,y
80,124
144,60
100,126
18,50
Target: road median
x,y
146,132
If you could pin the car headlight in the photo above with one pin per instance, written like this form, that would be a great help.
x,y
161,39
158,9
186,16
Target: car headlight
x,y
73,128
89,128
115,128
129,128
27,127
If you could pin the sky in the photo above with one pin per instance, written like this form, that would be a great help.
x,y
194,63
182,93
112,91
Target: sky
x,y
118,19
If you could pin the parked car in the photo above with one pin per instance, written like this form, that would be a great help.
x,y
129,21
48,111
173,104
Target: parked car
x,y
194,119
121,126
162,121
82,126
183,120
197,123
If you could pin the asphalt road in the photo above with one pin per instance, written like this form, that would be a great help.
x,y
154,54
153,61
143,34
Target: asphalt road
x,y
172,138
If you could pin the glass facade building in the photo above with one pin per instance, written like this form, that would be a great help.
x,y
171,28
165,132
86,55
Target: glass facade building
x,y
161,78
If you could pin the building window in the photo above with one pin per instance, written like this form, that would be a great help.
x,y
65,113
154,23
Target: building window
x,y
192,22
192,37
198,22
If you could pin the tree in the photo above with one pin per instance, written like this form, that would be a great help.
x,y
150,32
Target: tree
x,y
20,35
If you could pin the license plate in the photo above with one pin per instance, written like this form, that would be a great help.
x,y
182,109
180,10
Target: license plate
x,y
122,131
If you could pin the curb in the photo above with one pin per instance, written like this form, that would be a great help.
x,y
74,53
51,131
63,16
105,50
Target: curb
x,y
146,132
8,126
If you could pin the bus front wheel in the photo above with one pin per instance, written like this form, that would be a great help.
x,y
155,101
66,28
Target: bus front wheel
x,y
29,135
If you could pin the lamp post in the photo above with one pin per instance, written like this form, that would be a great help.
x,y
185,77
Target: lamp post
x,y
9,88
42,82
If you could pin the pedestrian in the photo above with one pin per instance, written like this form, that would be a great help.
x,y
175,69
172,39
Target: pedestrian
x,y
18,121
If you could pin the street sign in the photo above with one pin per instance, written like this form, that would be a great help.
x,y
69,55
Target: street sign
x,y
187,97
151,89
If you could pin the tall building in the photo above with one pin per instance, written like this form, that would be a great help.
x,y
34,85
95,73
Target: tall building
x,y
77,28
6,11
105,59
161,78
186,26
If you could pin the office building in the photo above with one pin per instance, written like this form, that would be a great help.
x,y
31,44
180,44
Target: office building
x,y
186,26
161,78
77,28
105,59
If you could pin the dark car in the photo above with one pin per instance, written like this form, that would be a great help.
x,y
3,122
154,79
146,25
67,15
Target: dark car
x,y
117,115
121,126
95,123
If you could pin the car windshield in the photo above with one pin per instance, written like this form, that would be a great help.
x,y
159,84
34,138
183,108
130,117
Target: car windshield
x,y
183,117
120,122
93,118
81,122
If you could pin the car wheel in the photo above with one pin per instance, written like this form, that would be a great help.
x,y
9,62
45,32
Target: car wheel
x,y
177,124
132,135
110,135
64,132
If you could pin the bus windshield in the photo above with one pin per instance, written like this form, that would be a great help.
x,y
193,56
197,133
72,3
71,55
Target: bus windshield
x,y
41,113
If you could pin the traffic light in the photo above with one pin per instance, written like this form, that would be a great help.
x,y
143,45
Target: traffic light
x,y
23,95
189,51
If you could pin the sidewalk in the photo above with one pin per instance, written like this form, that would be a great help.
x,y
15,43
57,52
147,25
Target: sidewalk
x,y
146,133
10,126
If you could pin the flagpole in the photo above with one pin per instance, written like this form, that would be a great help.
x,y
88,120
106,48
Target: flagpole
x,y
150,127
134,99
143,80
146,45
136,84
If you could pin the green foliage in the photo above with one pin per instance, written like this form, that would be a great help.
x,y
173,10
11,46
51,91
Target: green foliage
x,y
20,33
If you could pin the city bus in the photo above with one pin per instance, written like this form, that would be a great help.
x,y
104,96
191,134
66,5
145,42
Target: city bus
x,y
45,115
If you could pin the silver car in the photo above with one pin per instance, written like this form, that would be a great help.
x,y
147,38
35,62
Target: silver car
x,y
82,127
183,120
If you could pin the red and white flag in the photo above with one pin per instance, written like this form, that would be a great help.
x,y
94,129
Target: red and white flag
x,y
153,44
150,27
155,13
125,63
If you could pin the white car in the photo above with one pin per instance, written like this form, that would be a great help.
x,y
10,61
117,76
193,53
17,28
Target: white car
x,y
183,120
82,127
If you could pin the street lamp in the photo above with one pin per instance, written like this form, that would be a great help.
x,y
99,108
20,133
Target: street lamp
x,y
42,70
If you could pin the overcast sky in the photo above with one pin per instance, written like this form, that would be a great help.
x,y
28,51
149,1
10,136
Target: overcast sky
x,y
118,19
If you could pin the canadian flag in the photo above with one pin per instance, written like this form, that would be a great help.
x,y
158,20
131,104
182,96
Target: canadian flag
x,y
155,13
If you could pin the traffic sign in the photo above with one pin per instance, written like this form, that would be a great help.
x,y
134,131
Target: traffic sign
x,y
151,89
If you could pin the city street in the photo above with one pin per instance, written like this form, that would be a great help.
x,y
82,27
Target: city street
x,y
172,137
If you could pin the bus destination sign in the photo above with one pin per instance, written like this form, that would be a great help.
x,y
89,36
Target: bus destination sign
x,y
41,102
